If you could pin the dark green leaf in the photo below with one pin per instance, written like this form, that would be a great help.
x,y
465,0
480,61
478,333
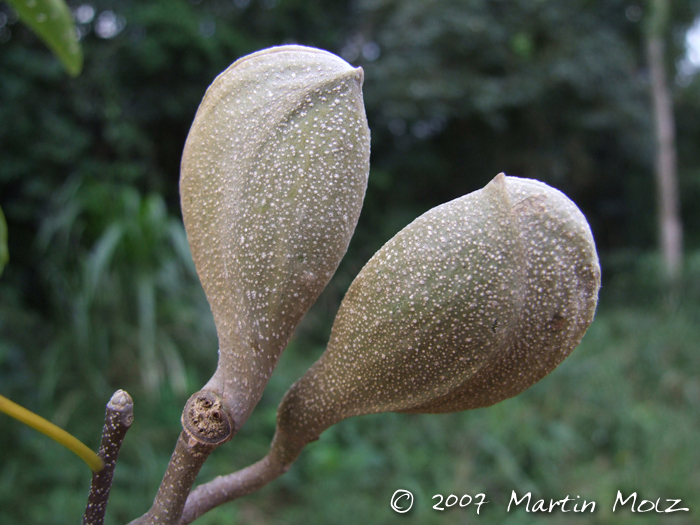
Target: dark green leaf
x,y
53,22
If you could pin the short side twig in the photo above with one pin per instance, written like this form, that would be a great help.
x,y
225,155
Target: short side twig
x,y
118,419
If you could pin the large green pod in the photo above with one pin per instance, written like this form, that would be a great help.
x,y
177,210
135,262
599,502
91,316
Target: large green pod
x,y
470,304
274,172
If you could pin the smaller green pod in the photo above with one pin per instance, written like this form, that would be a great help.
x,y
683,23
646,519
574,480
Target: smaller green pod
x,y
273,176
470,304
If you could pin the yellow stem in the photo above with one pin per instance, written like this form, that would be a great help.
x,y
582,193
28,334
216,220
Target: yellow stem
x,y
56,433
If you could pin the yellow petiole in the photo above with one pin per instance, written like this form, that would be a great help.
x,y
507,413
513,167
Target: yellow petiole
x,y
56,433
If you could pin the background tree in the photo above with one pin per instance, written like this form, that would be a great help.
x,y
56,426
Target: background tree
x,y
670,226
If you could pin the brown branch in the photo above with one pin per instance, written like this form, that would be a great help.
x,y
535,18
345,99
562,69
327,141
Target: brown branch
x,y
206,425
223,489
118,418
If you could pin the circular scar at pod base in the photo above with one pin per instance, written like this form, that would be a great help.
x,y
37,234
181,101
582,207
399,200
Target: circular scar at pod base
x,y
274,172
470,304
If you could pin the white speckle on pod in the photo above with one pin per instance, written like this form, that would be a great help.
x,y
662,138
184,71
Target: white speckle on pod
x,y
470,304
273,176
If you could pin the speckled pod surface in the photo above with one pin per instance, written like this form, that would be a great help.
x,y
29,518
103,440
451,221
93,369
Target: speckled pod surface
x,y
273,176
470,304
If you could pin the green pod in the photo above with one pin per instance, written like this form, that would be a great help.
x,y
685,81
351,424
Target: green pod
x,y
470,304
273,176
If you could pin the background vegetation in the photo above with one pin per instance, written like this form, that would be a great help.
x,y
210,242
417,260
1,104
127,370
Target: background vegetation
x,y
101,294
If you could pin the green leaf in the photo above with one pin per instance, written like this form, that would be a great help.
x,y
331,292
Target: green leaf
x,y
53,22
4,254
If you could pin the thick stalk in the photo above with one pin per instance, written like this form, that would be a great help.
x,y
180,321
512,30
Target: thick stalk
x,y
118,418
206,425
223,489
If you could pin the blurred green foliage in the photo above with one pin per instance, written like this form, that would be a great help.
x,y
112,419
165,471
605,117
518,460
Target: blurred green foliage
x,y
101,293
4,256
52,21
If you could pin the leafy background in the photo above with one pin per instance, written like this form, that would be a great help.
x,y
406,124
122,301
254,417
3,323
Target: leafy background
x,y
100,292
